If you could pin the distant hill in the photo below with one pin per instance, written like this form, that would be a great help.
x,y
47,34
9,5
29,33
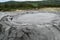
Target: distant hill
x,y
13,5
38,2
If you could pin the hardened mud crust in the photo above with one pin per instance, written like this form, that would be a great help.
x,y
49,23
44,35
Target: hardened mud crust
x,y
26,34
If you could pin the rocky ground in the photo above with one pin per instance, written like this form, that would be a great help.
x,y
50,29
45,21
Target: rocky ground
x,y
30,25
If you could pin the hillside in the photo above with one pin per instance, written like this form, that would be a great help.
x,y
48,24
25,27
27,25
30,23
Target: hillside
x,y
14,5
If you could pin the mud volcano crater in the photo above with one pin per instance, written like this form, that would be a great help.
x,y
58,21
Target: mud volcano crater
x,y
36,26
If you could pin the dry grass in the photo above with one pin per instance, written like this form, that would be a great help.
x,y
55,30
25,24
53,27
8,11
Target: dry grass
x,y
46,9
51,9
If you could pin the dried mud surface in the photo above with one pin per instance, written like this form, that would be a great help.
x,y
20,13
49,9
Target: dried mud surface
x,y
29,26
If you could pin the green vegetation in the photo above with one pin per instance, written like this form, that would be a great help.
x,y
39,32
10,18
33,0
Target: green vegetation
x,y
13,5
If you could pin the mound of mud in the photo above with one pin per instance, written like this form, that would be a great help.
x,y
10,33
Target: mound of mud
x,y
39,26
